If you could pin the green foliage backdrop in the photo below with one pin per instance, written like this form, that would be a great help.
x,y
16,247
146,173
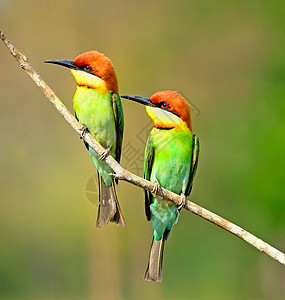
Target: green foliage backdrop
x,y
227,57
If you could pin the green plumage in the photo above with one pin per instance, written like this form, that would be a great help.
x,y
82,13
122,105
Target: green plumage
x,y
171,158
168,161
101,113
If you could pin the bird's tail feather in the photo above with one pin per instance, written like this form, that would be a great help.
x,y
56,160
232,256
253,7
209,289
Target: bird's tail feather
x,y
109,209
154,268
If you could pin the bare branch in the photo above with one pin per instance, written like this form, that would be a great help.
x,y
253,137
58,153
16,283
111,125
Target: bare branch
x,y
125,175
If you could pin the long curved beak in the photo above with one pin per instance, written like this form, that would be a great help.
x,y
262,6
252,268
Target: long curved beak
x,y
65,63
139,99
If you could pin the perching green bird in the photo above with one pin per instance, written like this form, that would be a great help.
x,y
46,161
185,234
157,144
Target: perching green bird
x,y
98,108
171,158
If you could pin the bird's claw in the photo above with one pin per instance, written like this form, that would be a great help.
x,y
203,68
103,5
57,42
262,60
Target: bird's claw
x,y
84,129
182,202
156,188
104,154
115,176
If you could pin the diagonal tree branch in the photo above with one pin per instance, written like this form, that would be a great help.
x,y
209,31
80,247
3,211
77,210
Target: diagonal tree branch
x,y
125,175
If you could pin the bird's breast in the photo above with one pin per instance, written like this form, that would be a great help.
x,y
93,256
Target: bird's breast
x,y
172,158
94,109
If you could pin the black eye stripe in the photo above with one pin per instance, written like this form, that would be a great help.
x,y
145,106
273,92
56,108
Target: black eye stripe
x,y
159,105
88,69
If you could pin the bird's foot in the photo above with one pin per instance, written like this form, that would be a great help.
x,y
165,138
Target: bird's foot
x,y
115,176
182,202
84,129
157,187
105,154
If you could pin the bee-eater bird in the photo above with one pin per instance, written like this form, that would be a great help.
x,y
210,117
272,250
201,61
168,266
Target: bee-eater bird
x,y
98,108
171,158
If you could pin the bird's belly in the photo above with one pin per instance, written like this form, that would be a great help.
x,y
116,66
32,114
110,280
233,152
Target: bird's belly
x,y
170,175
103,131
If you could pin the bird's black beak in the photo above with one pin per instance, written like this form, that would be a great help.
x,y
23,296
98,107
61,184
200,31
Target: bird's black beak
x,y
139,99
65,63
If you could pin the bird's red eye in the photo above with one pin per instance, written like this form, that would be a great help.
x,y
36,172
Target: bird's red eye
x,y
164,105
87,68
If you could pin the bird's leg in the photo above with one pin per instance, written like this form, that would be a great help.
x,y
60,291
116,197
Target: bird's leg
x,y
156,188
182,202
105,153
84,129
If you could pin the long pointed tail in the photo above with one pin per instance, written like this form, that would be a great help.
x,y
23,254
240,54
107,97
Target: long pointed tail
x,y
154,268
109,209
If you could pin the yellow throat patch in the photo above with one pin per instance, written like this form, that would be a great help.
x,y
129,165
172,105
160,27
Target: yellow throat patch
x,y
89,80
165,119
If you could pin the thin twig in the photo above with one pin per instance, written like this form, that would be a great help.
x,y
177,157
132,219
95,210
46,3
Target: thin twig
x,y
125,175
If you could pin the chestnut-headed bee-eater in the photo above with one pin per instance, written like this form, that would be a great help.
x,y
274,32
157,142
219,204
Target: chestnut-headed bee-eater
x,y
98,108
171,158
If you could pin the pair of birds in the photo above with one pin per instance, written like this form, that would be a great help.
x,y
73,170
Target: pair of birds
x,y
171,153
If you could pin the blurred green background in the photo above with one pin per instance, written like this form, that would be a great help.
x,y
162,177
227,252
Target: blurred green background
x,y
227,57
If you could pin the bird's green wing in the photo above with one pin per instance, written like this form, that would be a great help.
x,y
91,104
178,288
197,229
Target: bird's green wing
x,y
148,161
119,123
194,163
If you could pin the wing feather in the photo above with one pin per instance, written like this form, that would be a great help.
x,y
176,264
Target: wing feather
x,y
119,123
194,164
148,161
